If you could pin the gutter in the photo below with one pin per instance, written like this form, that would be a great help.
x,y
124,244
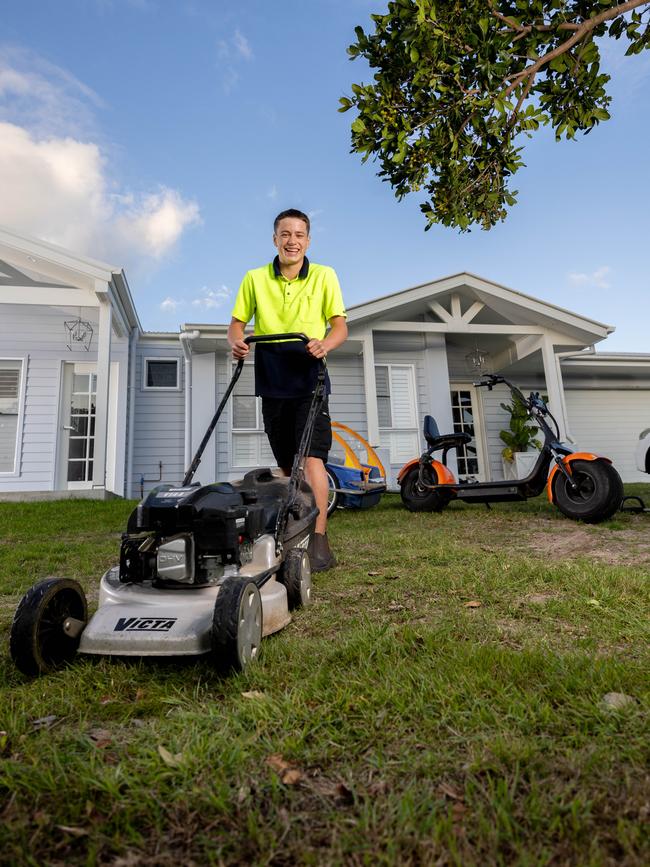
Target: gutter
x,y
186,338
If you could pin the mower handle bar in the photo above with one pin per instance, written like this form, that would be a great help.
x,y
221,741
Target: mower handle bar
x,y
265,338
252,338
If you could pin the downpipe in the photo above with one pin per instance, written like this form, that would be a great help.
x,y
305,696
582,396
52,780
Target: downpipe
x,y
186,338
131,425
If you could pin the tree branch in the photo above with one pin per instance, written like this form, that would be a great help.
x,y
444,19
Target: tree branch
x,y
579,34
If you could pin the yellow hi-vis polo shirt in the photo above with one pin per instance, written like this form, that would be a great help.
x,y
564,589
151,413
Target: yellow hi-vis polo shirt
x,y
304,304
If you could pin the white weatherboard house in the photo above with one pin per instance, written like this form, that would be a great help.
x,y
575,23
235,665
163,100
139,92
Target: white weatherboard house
x,y
90,405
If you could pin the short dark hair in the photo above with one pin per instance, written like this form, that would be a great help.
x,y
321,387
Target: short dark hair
x,y
294,214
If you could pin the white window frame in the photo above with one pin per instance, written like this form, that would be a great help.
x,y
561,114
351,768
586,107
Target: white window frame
x,y
388,434
145,367
22,384
256,433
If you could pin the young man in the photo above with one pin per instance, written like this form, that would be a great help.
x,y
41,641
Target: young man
x,y
291,294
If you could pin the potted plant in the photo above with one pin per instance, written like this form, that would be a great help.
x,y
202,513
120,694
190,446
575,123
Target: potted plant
x,y
518,456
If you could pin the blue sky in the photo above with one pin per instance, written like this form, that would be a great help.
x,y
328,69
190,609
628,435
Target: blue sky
x,y
164,136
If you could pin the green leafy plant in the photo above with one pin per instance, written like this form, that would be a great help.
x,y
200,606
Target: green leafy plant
x,y
521,432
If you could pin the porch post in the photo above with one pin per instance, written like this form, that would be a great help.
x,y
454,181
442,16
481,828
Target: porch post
x,y
554,385
370,386
103,381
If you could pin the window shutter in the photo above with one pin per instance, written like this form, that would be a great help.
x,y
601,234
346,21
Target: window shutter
x,y
402,389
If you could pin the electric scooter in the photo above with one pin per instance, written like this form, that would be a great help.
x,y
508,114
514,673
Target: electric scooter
x,y
583,486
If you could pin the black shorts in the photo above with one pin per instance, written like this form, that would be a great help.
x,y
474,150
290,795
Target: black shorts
x,y
284,422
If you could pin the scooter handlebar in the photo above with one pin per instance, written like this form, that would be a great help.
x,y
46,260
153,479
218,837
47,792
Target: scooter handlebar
x,y
488,380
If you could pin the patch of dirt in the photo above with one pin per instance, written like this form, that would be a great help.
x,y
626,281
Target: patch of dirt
x,y
614,547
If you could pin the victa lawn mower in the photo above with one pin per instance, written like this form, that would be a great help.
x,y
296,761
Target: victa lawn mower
x,y
203,570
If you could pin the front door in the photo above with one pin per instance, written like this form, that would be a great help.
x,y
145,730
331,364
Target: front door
x,y
464,408
78,425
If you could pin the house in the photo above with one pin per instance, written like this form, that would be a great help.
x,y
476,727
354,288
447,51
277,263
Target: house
x,y
91,405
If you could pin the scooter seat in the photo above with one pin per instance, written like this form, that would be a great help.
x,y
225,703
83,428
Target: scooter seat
x,y
448,441
437,441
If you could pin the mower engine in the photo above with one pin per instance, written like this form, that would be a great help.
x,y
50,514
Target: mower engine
x,y
191,535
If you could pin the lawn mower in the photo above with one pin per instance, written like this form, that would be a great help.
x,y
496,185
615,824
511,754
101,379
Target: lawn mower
x,y
582,485
203,569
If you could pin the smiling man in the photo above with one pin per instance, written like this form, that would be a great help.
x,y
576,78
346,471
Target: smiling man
x,y
293,294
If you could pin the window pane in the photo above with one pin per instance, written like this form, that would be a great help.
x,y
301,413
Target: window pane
x,y
244,411
80,425
8,429
381,380
80,403
80,382
162,374
77,447
383,411
76,471
9,383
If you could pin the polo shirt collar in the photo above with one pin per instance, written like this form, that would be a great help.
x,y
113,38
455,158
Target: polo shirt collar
x,y
302,274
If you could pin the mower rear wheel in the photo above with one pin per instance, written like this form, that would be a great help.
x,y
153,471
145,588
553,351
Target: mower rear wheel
x,y
236,624
332,493
418,498
599,491
47,625
295,574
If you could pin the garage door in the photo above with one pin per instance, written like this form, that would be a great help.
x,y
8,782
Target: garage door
x,y
609,422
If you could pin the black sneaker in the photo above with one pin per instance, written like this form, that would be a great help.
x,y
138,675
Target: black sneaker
x,y
320,553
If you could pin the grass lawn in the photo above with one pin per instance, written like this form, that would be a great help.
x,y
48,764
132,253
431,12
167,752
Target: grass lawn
x,y
441,702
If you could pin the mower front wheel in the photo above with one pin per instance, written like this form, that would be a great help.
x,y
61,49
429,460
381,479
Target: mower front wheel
x,y
236,624
295,574
47,626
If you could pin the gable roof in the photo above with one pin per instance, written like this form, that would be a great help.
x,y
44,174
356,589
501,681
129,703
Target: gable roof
x,y
30,263
502,306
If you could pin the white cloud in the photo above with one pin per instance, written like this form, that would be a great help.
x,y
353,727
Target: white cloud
x,y
231,52
597,279
55,175
170,305
44,98
242,45
211,298
272,193
156,221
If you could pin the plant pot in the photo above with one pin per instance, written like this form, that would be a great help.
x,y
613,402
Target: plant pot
x,y
521,466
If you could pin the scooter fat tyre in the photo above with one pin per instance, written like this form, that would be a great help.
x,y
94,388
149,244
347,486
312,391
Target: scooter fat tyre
x,y
417,498
295,574
236,624
39,641
599,494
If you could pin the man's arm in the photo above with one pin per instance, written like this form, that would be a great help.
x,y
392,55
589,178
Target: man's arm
x,y
236,339
337,335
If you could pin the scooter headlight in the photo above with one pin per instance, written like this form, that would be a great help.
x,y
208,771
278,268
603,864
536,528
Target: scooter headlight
x,y
175,560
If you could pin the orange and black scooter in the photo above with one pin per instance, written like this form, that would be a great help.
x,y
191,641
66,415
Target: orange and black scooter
x,y
582,485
